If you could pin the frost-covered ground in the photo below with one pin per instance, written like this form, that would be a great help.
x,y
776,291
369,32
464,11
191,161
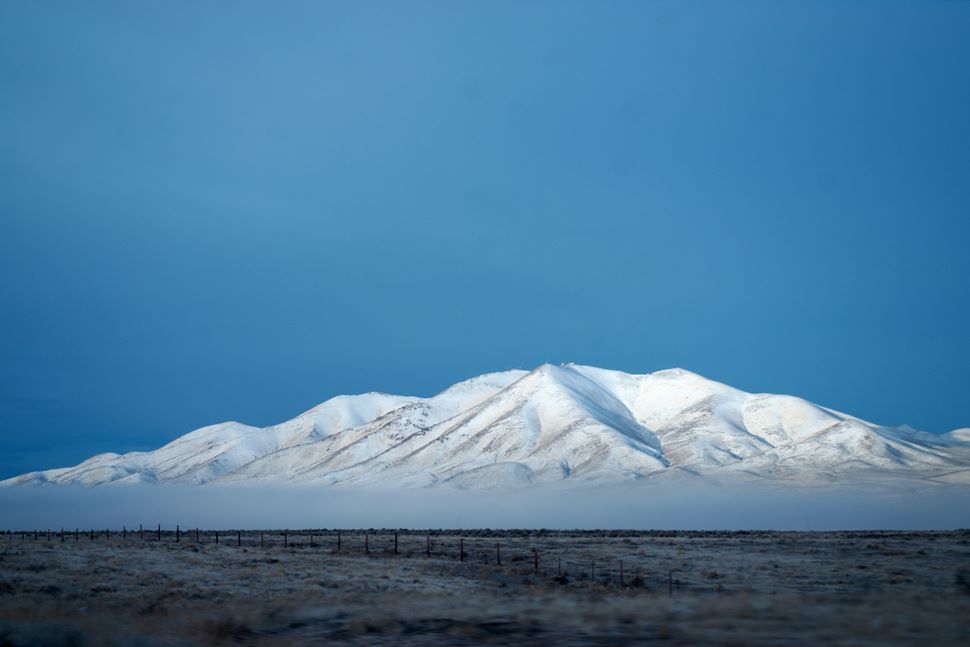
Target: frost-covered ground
x,y
865,588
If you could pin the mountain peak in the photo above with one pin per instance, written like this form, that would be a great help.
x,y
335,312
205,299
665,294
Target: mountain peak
x,y
566,423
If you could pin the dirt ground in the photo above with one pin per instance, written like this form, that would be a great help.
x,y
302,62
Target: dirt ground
x,y
552,587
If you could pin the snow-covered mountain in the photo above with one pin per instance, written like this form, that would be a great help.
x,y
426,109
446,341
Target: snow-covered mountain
x,y
556,424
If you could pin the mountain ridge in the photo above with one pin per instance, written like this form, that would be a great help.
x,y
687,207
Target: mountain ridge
x,y
568,424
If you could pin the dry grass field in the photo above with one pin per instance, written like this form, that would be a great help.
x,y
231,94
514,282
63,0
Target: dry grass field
x,y
552,587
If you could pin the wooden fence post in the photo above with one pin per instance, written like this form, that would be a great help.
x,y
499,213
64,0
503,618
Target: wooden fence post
x,y
196,535
178,533
366,544
77,534
498,553
428,547
124,533
670,583
338,541
261,541
239,538
461,549
158,537
92,534
286,540
621,572
62,535
395,544
535,557
217,536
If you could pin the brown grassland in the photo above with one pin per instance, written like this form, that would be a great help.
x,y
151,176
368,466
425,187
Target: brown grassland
x,y
552,587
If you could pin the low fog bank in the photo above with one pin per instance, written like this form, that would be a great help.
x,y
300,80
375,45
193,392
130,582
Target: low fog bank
x,y
696,508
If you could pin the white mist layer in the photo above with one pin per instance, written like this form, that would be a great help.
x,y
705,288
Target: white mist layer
x,y
698,507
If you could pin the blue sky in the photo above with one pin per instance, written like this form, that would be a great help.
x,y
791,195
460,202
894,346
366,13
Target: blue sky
x,y
221,210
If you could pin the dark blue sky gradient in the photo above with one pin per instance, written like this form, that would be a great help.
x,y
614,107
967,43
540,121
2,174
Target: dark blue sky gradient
x,y
228,210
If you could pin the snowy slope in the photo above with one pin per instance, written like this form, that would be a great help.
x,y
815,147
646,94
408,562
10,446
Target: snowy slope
x,y
556,424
